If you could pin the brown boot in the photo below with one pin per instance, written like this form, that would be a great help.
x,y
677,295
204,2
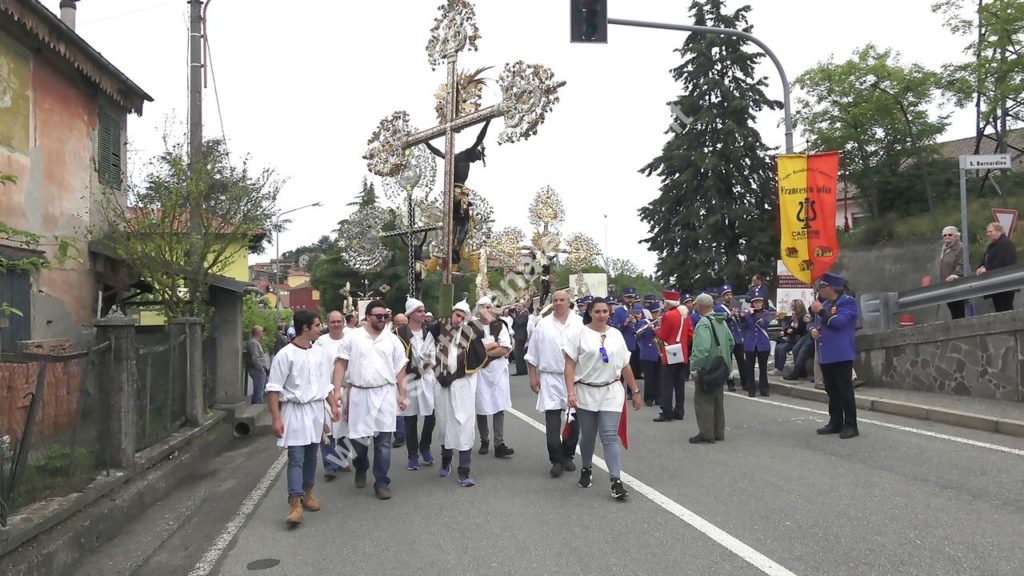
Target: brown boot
x,y
309,502
295,515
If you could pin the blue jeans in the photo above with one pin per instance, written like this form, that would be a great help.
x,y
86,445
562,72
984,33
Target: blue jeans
x,y
782,350
329,453
381,458
606,425
259,384
301,468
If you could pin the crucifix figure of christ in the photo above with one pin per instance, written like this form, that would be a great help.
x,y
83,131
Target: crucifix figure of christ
x,y
461,205
529,91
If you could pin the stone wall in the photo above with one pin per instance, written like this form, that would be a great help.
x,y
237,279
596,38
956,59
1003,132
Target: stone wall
x,y
981,357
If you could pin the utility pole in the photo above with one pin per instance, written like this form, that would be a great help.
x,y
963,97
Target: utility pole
x,y
195,151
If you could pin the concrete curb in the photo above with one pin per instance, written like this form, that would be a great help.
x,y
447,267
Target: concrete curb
x,y
48,538
909,410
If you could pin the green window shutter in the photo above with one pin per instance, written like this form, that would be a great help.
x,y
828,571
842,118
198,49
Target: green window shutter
x,y
108,148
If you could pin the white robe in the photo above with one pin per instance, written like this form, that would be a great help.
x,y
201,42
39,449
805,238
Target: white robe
x,y
583,347
492,390
339,429
545,354
419,392
302,378
374,363
454,411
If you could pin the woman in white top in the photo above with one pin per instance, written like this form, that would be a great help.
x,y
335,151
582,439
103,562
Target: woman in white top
x,y
596,366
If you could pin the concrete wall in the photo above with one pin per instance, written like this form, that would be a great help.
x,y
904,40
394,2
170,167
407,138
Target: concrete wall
x,y
981,357
58,187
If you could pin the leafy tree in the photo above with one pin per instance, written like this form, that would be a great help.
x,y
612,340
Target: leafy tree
x,y
992,77
311,252
149,226
257,311
714,217
874,110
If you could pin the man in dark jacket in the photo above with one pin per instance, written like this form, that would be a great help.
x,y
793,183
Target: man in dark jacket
x,y
519,335
1000,253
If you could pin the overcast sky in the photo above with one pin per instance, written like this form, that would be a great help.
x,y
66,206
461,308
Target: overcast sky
x,y
302,84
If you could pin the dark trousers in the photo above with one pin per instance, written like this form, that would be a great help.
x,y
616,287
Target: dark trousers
x,y
762,372
560,450
803,352
739,356
520,357
652,388
415,443
957,309
673,376
381,458
842,409
1003,301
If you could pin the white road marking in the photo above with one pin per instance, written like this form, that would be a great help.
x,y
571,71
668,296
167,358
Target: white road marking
x,y
938,435
729,542
213,554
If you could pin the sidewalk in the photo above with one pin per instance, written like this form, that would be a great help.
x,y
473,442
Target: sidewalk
x,y
1001,416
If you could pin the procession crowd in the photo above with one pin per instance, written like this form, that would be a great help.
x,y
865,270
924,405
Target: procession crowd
x,y
331,395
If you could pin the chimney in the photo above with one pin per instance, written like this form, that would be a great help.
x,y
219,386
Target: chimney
x,y
67,12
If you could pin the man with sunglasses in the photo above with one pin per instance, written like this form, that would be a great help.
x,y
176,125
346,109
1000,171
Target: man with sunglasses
x,y
834,335
375,360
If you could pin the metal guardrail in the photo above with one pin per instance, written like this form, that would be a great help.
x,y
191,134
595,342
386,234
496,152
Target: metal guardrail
x,y
878,308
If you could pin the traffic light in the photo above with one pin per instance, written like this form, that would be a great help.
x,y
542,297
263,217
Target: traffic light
x,y
589,21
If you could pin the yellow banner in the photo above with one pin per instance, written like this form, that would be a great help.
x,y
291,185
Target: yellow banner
x,y
807,213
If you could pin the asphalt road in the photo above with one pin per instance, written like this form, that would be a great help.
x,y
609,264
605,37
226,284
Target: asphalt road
x,y
906,497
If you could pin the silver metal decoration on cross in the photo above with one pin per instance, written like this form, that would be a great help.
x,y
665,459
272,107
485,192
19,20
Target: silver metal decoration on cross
x,y
529,91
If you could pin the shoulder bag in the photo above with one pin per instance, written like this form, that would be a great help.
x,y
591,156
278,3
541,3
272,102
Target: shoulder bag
x,y
674,352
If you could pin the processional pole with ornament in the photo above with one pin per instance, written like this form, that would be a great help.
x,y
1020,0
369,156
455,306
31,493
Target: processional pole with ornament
x,y
419,171
528,93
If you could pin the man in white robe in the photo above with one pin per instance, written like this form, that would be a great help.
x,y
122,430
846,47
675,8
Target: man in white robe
x,y
375,360
334,461
547,378
419,383
460,353
493,395
300,397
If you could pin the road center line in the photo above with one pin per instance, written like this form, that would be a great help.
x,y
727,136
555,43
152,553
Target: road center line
x,y
213,554
938,435
729,542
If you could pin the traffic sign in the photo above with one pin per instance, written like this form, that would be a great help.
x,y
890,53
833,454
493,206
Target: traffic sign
x,y
1006,217
985,162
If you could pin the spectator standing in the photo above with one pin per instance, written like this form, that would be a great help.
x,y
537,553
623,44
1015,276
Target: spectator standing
x,y
1000,253
257,364
951,266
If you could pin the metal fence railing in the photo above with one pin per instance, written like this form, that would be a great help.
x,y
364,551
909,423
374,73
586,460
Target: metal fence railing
x,y
48,426
160,364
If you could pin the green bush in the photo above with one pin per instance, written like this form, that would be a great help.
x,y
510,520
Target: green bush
x,y
256,311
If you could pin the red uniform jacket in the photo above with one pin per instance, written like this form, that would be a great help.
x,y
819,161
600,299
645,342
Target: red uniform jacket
x,y
669,330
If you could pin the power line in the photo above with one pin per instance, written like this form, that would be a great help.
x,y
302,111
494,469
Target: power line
x,y
216,94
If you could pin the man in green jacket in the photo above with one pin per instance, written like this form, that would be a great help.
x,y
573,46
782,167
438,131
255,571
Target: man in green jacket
x,y
709,406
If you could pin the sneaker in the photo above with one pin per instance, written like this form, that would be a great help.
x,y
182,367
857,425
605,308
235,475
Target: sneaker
x,y
556,469
414,464
618,490
466,481
330,475
502,451
585,477
444,471
484,445
569,466
383,492
428,458
360,478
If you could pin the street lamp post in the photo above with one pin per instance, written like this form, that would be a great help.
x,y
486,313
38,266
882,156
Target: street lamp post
x,y
277,238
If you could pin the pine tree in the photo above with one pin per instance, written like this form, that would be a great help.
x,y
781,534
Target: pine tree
x,y
715,219
367,195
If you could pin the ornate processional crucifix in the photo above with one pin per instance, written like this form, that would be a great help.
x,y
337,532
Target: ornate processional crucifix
x,y
528,93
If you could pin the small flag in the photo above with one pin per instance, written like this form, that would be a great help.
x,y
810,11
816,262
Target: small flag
x,y
569,418
623,433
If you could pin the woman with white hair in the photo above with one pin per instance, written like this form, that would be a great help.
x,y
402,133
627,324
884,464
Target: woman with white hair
x,y
493,396
951,266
